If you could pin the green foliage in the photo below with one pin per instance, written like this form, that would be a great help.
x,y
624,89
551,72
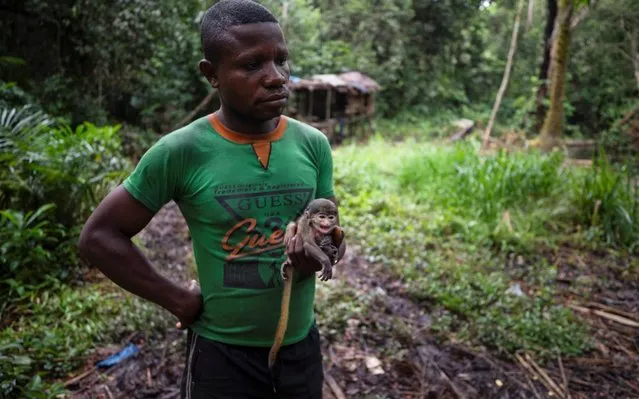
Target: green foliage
x,y
486,187
58,329
608,200
444,218
89,60
602,44
505,199
32,247
40,163
24,123
475,292
336,305
51,177
429,56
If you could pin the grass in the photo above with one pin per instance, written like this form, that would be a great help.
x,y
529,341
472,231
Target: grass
x,y
438,124
59,329
445,219
335,305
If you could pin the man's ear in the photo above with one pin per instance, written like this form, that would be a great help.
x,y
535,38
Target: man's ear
x,y
209,71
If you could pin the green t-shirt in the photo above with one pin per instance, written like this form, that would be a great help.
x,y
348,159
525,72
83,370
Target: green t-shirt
x,y
237,195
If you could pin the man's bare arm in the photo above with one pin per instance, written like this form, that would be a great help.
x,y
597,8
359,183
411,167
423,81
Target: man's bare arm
x,y
105,242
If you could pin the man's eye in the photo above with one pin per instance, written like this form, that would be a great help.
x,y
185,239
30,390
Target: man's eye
x,y
251,66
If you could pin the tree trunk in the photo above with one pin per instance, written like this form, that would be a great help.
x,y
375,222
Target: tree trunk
x,y
542,90
551,131
634,52
506,77
531,14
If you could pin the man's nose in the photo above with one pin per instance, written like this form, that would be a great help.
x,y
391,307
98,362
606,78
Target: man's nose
x,y
275,76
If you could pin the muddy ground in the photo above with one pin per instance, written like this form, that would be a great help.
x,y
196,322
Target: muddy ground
x,y
377,358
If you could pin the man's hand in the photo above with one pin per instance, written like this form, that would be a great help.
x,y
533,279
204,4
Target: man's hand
x,y
302,263
307,264
190,306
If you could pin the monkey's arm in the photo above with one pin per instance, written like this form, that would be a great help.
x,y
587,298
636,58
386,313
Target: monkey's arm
x,y
342,242
316,253
291,229
338,236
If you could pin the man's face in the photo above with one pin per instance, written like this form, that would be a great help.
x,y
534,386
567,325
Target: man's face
x,y
252,71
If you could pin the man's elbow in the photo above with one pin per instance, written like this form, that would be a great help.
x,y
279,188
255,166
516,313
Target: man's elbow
x,y
88,242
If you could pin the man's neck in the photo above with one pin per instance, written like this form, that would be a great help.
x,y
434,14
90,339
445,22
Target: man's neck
x,y
245,126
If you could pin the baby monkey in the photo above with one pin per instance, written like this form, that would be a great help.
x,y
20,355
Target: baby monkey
x,y
321,236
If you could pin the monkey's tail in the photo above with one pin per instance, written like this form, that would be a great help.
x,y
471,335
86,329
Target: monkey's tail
x,y
283,323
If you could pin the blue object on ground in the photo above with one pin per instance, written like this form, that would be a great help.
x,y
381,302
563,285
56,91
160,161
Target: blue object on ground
x,y
116,358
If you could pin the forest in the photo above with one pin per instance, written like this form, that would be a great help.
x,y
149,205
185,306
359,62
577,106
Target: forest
x,y
491,206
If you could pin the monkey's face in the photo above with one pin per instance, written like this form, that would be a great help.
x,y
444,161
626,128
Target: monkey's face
x,y
324,222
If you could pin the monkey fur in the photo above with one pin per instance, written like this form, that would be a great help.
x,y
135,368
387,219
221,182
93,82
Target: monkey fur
x,y
318,228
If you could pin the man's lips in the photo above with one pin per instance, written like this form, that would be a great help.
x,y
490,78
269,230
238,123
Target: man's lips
x,y
279,99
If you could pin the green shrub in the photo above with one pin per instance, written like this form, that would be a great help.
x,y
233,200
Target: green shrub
x,y
51,177
608,202
476,293
482,186
58,328
32,248
47,162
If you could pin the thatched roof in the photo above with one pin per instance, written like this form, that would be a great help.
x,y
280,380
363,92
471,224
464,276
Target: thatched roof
x,y
344,81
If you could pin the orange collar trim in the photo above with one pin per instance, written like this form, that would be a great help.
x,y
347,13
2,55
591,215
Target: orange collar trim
x,y
241,138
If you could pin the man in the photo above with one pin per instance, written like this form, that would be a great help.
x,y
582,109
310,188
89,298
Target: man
x,y
239,176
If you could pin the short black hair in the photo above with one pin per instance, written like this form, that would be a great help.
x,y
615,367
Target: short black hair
x,y
224,14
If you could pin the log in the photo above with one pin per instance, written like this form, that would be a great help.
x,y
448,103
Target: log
x,y
609,316
337,391
464,128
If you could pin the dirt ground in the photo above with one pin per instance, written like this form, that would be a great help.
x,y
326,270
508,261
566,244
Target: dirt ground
x,y
368,361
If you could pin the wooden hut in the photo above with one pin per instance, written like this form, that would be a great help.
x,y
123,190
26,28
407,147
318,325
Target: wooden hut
x,y
338,105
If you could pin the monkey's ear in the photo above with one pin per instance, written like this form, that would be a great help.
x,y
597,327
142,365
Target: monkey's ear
x,y
338,236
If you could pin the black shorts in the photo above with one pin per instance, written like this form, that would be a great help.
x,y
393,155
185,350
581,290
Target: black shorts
x,y
217,370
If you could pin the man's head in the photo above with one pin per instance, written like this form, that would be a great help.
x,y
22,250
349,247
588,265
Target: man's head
x,y
245,58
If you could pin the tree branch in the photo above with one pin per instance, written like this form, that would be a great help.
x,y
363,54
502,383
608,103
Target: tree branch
x,y
197,109
634,52
581,15
506,77
531,14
